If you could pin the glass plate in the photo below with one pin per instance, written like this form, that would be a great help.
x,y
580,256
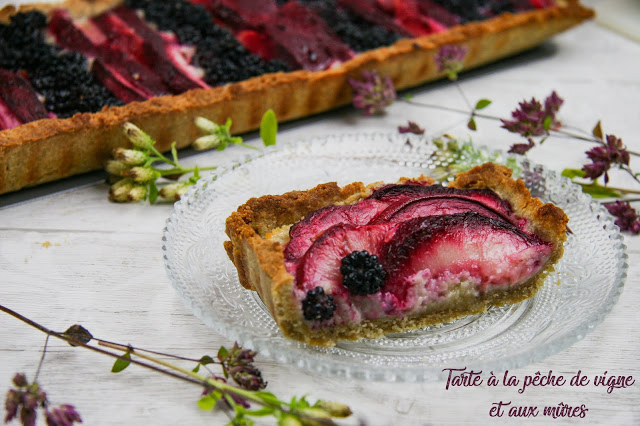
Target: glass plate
x,y
590,275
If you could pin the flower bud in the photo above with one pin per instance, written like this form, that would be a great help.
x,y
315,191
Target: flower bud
x,y
206,142
137,193
335,409
140,174
12,403
138,138
130,157
174,191
120,190
289,420
206,125
313,416
115,167
31,400
20,380
65,415
28,416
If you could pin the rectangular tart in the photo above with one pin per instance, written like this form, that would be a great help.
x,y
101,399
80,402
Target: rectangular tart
x,y
49,149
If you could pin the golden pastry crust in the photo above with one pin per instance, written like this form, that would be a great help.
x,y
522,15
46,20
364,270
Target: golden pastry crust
x,y
261,267
50,149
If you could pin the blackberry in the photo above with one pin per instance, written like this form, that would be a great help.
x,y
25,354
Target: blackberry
x,y
317,305
223,58
352,29
62,78
362,273
476,10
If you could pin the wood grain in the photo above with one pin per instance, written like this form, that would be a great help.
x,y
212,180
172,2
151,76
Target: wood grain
x,y
103,268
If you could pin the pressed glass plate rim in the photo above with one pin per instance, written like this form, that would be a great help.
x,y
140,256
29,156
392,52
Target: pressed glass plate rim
x,y
295,353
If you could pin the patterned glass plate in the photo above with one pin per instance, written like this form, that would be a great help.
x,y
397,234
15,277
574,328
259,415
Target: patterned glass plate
x,y
575,298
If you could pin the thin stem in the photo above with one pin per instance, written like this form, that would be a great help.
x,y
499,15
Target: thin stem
x,y
464,96
628,200
247,145
132,350
491,117
633,175
118,346
445,108
181,170
580,137
161,157
186,375
93,348
44,351
613,188
216,384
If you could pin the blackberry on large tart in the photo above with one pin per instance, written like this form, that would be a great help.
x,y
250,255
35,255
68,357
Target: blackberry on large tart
x,y
73,73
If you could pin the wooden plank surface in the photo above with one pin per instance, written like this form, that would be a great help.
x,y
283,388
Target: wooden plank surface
x,y
76,258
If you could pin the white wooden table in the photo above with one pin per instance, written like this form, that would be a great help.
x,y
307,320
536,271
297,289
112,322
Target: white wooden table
x,y
74,257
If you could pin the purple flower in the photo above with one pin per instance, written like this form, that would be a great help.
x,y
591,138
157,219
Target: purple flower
x,y
411,127
248,377
450,59
521,148
532,119
12,402
237,363
552,104
65,415
20,380
373,93
626,216
25,399
603,157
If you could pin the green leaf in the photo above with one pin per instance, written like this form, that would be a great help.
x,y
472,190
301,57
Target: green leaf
x,y
482,104
208,401
196,369
573,173
269,398
265,411
597,131
223,353
153,191
174,152
598,191
121,363
408,97
472,124
299,404
269,128
206,360
547,123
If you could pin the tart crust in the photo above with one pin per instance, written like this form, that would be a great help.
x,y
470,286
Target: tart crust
x,y
51,149
261,267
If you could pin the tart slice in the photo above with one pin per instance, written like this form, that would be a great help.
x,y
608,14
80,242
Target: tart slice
x,y
361,261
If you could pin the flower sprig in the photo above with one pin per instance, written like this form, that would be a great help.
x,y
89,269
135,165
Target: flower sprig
x,y
135,171
536,121
238,401
373,93
25,399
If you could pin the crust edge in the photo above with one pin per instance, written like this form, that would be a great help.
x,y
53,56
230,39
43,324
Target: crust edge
x,y
50,149
260,262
